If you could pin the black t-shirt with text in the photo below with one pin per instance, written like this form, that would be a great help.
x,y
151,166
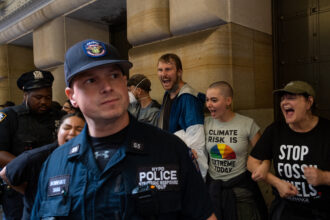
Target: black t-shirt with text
x,y
291,152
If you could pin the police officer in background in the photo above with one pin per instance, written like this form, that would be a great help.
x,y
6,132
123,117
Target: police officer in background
x,y
117,168
29,125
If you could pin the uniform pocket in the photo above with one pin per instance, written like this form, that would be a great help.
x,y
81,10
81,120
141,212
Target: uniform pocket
x,y
55,207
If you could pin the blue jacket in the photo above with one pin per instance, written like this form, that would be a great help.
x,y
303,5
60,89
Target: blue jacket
x,y
187,121
71,184
186,110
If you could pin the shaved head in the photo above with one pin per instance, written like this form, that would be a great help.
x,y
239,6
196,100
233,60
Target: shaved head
x,y
225,88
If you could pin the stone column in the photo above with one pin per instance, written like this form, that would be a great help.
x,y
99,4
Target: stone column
x,y
14,60
51,40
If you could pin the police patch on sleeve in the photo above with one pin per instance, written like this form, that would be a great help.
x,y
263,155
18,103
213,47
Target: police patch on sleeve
x,y
58,185
163,177
2,116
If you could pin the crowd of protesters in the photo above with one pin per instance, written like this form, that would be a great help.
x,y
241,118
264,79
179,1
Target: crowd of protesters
x,y
121,166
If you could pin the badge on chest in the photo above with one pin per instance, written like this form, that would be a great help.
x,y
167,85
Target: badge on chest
x,y
163,177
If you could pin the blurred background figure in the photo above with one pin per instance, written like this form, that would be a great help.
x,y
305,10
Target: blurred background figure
x,y
144,108
68,108
7,104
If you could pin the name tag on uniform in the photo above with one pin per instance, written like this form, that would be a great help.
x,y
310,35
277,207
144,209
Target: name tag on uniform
x,y
163,177
58,185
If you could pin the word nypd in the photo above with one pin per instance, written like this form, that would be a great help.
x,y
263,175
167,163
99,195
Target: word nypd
x,y
163,177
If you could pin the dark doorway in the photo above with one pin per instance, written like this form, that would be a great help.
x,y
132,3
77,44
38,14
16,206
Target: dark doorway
x,y
301,31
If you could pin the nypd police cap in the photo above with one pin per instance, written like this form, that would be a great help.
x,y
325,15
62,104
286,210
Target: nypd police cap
x,y
35,80
89,54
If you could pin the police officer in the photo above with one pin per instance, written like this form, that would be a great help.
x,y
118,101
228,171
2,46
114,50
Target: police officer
x,y
117,168
26,126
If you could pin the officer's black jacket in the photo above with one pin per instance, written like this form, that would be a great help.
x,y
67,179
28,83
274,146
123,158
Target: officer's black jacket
x,y
22,130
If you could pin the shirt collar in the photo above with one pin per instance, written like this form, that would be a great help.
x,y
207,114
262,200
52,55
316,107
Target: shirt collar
x,y
133,143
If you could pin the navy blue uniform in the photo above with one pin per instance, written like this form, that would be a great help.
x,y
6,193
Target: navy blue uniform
x,y
22,130
72,185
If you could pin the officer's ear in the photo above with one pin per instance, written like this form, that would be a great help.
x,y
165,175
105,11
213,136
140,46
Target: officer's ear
x,y
25,96
71,96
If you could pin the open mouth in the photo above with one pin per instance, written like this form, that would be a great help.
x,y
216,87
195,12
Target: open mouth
x,y
212,112
289,111
166,81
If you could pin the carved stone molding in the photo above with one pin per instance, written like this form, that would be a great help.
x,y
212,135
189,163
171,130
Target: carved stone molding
x,y
29,22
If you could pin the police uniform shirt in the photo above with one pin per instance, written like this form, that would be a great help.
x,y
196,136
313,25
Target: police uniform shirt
x,y
71,183
22,130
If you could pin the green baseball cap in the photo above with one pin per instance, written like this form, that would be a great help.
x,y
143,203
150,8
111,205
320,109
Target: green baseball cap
x,y
297,87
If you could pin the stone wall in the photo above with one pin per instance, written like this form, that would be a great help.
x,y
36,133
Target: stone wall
x,y
230,52
14,60
211,41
